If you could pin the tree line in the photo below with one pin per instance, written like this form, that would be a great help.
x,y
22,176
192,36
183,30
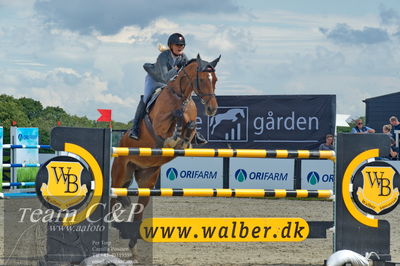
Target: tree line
x,y
27,112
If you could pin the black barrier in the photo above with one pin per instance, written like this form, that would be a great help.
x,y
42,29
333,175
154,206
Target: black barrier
x,y
268,121
350,233
76,245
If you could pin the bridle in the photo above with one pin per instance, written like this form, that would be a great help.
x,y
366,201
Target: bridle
x,y
196,86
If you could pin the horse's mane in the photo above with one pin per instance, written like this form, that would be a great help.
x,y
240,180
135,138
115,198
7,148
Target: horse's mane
x,y
190,61
203,66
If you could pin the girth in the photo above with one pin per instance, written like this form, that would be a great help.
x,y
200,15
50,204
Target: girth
x,y
159,140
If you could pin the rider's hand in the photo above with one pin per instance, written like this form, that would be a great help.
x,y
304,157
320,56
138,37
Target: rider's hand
x,y
180,62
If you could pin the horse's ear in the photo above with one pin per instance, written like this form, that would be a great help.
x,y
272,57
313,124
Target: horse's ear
x,y
198,59
214,63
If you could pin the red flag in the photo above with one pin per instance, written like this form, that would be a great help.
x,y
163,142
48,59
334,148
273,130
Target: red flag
x,y
105,115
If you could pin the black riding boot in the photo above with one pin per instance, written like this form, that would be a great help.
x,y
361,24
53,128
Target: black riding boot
x,y
140,112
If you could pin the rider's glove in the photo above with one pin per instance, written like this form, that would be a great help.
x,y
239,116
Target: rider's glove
x,y
180,62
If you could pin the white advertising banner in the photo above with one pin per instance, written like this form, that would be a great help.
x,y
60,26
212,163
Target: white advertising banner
x,y
317,174
187,172
1,156
24,136
261,173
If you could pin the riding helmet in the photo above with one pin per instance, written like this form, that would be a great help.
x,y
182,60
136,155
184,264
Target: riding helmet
x,y
176,38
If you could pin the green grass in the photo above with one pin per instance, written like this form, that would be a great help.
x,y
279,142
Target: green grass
x,y
1,177
27,174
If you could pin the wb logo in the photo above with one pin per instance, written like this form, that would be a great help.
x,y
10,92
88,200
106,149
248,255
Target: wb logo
x,y
70,181
64,186
376,188
230,124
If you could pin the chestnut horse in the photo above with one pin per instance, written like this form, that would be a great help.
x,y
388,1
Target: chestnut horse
x,y
173,117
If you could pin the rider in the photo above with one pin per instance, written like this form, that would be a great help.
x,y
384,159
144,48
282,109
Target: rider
x,y
158,74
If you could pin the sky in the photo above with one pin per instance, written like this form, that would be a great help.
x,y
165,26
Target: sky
x,y
84,55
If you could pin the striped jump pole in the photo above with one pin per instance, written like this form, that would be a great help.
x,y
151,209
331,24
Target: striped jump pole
x,y
246,153
205,192
15,165
17,146
17,184
17,195
212,192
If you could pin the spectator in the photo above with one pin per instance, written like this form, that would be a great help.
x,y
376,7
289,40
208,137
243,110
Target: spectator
x,y
394,151
386,130
395,125
328,145
360,129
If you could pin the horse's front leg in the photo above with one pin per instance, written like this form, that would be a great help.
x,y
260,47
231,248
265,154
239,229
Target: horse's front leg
x,y
175,139
188,134
184,138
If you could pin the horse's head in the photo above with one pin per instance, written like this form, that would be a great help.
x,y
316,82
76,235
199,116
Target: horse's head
x,y
205,84
204,80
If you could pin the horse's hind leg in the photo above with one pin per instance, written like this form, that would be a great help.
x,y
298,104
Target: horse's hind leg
x,y
121,173
145,178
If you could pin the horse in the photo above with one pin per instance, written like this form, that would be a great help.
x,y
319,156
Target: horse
x,y
170,123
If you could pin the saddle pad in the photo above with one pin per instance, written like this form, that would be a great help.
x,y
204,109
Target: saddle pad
x,y
153,99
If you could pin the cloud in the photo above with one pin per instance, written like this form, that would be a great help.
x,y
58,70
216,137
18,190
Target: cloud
x,y
231,39
109,17
344,34
84,55
350,90
389,16
157,30
66,88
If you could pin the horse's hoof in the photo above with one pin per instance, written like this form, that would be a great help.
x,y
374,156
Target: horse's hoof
x,y
135,255
169,143
180,144
125,201
188,145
